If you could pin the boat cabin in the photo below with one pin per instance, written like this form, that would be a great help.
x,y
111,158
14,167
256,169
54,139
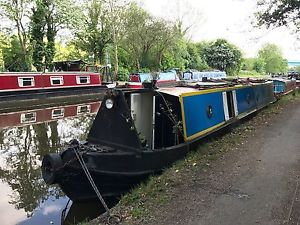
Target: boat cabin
x,y
283,86
21,81
155,119
193,75
169,78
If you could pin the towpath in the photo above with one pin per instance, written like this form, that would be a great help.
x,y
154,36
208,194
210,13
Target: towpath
x,y
257,183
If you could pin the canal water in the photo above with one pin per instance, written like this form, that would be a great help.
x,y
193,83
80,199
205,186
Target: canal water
x,y
28,132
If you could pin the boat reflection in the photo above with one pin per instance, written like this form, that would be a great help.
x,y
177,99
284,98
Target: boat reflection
x,y
86,210
25,136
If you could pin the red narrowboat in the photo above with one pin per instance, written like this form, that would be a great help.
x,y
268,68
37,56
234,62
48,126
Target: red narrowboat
x,y
28,84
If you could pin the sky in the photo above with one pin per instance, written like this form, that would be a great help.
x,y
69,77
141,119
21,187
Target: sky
x,y
229,19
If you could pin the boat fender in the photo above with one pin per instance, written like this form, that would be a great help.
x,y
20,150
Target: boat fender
x,y
51,168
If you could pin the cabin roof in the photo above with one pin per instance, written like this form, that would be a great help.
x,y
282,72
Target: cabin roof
x,y
177,91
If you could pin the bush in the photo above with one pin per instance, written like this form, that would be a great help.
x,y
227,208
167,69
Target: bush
x,y
123,74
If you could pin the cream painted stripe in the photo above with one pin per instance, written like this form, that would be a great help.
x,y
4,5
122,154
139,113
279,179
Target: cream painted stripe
x,y
225,106
236,111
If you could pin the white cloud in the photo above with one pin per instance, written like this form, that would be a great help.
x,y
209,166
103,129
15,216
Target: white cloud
x,y
8,214
51,209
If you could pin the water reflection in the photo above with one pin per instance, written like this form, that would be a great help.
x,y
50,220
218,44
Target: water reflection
x,y
25,136
86,210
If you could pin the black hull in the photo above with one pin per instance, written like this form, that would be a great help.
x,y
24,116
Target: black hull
x,y
10,101
115,173
46,93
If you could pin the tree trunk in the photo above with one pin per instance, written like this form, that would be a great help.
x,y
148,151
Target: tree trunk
x,y
22,40
116,64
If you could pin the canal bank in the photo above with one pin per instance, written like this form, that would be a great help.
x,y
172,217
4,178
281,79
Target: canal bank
x,y
246,176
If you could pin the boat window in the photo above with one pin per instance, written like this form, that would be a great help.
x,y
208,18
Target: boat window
x,y
58,113
26,81
28,117
57,80
83,79
83,109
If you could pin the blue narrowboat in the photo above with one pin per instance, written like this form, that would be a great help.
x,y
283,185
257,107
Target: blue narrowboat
x,y
194,75
283,86
139,132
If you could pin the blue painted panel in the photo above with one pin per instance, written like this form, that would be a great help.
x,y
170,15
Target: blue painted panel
x,y
279,86
195,112
264,94
246,100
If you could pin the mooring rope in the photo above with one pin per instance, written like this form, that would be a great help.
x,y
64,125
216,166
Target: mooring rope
x,y
112,219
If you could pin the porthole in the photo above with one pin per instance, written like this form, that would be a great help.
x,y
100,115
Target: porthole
x,y
209,111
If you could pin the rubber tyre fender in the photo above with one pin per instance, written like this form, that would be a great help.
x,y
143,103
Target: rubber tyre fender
x,y
52,166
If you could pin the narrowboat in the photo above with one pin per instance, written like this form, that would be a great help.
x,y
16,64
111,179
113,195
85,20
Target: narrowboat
x,y
194,75
168,78
30,85
283,86
139,132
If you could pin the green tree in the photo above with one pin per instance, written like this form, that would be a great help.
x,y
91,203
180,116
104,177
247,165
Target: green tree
x,y
223,56
195,60
148,39
117,12
139,38
178,55
259,65
37,31
278,12
69,52
11,56
253,64
17,11
297,69
272,56
4,43
94,35
48,17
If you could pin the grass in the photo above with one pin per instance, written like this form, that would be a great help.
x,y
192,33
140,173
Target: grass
x,y
137,205
252,74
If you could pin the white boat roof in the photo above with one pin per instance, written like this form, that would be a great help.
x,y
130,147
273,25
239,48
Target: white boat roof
x,y
177,91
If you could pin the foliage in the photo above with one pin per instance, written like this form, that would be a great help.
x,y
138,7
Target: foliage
x,y
253,64
223,56
195,59
278,12
4,43
37,25
102,30
95,33
141,36
58,18
117,12
272,56
11,56
123,74
48,17
16,11
69,52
